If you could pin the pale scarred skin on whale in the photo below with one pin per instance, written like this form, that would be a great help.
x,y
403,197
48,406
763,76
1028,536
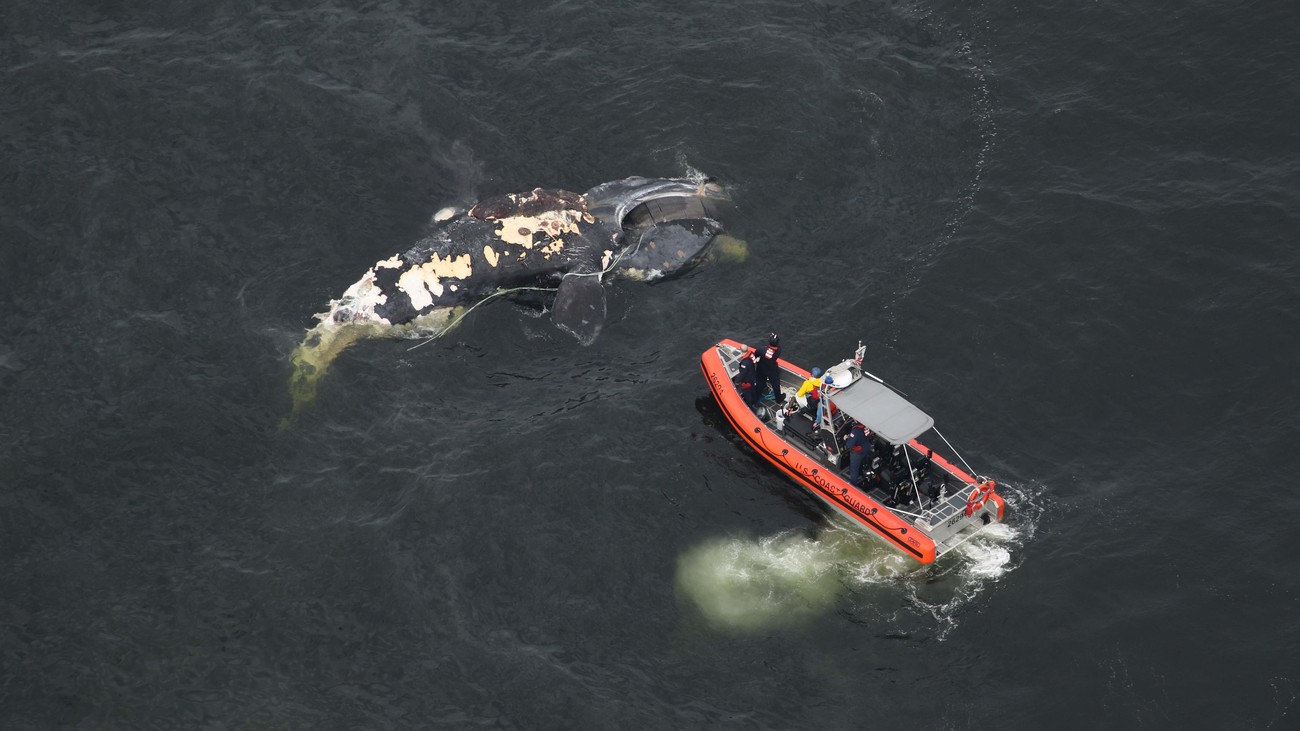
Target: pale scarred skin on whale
x,y
443,275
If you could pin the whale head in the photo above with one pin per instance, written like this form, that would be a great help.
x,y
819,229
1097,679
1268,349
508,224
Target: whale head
x,y
667,224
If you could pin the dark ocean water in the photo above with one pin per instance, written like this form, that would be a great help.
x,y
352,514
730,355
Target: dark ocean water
x,y
1067,230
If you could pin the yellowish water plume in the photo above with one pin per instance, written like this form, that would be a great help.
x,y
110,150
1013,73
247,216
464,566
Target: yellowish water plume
x,y
740,584
323,344
729,248
312,358
743,585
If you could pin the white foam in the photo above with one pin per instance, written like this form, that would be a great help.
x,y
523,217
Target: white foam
x,y
743,584
987,555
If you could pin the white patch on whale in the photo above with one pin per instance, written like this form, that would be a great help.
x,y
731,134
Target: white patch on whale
x,y
519,229
424,282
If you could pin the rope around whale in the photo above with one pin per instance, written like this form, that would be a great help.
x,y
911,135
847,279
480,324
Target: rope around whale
x,y
463,315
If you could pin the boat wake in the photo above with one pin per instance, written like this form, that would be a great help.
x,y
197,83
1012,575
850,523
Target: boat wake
x,y
744,585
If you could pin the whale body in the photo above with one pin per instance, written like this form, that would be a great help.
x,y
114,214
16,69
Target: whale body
x,y
542,240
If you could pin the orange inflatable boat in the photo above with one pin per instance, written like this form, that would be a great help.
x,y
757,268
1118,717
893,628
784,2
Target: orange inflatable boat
x,y
912,496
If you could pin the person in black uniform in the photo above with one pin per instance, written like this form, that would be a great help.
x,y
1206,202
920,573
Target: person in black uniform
x,y
769,371
747,379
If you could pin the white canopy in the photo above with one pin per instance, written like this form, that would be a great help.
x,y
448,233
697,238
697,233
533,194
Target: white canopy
x,y
884,412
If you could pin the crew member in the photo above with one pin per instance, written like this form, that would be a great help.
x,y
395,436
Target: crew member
x,y
809,388
858,447
747,379
769,371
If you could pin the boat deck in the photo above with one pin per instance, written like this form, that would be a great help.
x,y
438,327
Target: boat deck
x,y
880,485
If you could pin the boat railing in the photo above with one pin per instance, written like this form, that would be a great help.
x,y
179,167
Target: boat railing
x,y
731,359
942,546
910,515
947,519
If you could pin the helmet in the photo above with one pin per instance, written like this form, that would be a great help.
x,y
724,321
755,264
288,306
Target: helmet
x,y
828,381
817,373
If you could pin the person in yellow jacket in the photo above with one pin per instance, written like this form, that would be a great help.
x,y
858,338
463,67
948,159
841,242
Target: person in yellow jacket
x,y
812,389
811,383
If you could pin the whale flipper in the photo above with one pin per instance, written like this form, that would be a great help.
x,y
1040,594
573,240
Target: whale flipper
x,y
579,307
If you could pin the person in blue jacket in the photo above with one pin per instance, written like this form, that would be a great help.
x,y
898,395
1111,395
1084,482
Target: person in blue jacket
x,y
858,445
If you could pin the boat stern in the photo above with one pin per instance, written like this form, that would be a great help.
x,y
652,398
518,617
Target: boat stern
x,y
962,516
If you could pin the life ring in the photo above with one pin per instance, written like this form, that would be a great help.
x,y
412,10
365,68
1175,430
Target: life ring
x,y
979,496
